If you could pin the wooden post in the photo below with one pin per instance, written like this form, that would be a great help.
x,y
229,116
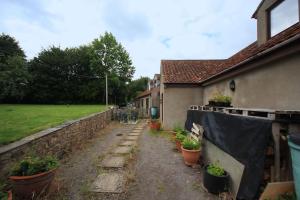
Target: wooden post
x,y
276,138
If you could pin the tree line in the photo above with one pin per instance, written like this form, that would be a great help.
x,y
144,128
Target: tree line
x,y
68,76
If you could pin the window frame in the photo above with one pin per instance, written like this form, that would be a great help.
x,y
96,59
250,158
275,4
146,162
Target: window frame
x,y
269,17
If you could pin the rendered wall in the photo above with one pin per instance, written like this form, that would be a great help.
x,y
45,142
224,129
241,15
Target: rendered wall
x,y
275,86
176,103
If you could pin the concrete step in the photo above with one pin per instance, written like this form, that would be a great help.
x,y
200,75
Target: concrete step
x,y
122,150
113,162
128,143
112,182
134,138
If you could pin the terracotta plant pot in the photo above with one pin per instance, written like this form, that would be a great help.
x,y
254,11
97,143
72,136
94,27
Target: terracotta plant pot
x,y
30,187
155,125
190,157
178,145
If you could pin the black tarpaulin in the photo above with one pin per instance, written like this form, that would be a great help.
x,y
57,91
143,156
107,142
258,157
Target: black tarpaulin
x,y
244,138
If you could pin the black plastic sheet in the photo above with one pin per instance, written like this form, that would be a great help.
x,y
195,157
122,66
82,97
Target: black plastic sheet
x,y
244,138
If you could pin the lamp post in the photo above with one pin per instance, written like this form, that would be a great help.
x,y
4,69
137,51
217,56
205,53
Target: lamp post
x,y
106,89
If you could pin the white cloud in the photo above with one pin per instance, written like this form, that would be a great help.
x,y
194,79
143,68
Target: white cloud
x,y
150,30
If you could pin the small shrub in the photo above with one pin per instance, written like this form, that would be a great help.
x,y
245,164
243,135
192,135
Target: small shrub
x,y
180,137
215,169
190,144
219,98
177,128
34,165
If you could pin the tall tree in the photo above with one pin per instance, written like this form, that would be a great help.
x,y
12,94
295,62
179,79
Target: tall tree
x,y
110,57
9,47
137,86
13,70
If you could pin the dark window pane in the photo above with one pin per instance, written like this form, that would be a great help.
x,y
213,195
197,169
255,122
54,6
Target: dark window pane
x,y
284,15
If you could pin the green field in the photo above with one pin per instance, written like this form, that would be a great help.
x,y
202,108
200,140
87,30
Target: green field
x,y
18,121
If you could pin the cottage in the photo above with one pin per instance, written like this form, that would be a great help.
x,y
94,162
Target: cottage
x,y
150,97
265,74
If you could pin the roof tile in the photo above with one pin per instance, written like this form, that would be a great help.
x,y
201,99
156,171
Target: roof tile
x,y
196,71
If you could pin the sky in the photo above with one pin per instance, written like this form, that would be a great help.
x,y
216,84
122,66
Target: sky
x,y
150,30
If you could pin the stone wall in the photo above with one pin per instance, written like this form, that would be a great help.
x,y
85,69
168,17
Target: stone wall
x,y
56,141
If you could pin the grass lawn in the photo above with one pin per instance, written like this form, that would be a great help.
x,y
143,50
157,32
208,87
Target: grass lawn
x,y
18,121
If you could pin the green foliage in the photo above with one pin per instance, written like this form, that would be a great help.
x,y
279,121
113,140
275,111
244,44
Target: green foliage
x,y
177,128
34,165
9,47
13,70
180,137
13,79
222,98
215,169
191,144
287,196
3,193
218,97
66,76
137,86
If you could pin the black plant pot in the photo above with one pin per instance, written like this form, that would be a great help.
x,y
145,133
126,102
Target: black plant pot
x,y
215,184
211,103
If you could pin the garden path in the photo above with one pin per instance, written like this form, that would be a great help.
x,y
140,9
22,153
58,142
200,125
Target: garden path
x,y
128,162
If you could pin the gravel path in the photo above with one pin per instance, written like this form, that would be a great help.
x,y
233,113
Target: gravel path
x,y
156,170
161,173
79,170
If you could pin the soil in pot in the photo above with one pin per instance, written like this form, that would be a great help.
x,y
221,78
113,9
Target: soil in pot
x,y
215,184
31,187
191,157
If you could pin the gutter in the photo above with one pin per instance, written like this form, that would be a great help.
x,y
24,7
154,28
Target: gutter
x,y
235,67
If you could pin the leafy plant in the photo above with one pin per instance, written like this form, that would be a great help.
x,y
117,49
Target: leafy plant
x,y
215,169
287,196
180,137
218,97
177,128
190,144
34,165
3,194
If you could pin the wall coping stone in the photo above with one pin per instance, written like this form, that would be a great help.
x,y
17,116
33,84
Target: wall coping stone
x,y
43,133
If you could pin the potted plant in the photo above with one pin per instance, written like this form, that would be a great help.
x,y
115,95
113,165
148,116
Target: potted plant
x,y
220,100
32,176
215,179
179,139
155,125
190,151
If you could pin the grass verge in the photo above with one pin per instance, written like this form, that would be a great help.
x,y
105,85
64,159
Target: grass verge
x,y
19,121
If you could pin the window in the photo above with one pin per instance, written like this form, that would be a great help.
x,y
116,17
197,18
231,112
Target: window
x,y
283,16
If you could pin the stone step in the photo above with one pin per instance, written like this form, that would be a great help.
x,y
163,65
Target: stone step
x,y
132,138
134,134
112,182
122,150
113,162
128,143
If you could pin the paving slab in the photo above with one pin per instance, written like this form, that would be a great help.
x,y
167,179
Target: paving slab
x,y
128,143
113,162
132,138
112,182
134,134
122,150
136,131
